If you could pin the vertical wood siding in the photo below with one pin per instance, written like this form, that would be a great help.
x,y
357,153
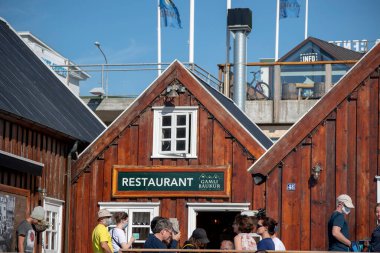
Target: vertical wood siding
x,y
345,145
134,147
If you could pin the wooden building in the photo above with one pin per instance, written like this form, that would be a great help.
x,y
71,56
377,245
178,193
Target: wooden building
x,y
180,150
41,120
333,149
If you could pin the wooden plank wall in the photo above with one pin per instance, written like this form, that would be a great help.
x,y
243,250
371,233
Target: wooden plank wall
x,y
345,145
38,146
134,147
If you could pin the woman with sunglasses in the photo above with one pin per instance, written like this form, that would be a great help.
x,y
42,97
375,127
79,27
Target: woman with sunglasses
x,y
263,226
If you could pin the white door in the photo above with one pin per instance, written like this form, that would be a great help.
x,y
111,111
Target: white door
x,y
52,237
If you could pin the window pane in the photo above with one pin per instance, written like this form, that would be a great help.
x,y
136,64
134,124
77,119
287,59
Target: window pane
x,y
166,146
53,241
181,132
140,233
53,222
166,120
181,145
181,120
166,133
141,218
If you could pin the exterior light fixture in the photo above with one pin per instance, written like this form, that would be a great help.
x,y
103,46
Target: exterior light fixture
x,y
173,89
41,192
316,171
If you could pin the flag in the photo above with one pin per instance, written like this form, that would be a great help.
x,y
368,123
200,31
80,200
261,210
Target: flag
x,y
289,9
169,14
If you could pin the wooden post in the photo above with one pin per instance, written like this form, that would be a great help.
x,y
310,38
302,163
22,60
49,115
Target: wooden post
x,y
328,77
277,93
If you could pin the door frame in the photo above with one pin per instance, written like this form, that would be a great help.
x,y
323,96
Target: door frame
x,y
195,207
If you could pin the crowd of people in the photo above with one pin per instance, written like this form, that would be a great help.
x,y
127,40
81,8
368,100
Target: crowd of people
x,y
254,233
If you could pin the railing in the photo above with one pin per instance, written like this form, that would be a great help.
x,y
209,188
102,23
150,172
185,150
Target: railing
x,y
218,251
275,84
74,70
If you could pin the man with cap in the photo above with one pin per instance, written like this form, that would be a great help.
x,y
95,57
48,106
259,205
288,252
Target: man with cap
x,y
198,240
337,225
101,238
25,234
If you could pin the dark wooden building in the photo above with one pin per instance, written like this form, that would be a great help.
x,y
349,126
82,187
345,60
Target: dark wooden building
x,y
333,149
40,121
181,150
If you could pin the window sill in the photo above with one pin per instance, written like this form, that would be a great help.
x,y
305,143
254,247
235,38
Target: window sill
x,y
178,156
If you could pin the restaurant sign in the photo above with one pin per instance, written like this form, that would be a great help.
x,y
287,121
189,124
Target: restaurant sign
x,y
202,181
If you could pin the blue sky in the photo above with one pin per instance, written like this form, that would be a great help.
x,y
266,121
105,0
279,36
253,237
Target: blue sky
x,y
127,31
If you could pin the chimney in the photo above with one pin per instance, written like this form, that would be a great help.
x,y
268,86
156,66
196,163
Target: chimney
x,y
239,22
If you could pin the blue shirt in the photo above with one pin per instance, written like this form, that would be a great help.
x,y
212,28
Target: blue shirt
x,y
154,243
375,240
265,244
337,219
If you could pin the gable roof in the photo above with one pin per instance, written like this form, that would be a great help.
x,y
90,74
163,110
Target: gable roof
x,y
223,109
240,116
337,52
340,91
30,90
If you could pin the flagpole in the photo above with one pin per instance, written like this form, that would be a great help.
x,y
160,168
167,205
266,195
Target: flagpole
x,y
158,37
191,35
277,28
228,37
306,17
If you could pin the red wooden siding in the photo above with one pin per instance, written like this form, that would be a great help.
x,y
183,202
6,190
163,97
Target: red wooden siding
x,y
345,144
133,146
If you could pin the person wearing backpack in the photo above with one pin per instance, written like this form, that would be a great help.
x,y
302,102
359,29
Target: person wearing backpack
x,y
119,240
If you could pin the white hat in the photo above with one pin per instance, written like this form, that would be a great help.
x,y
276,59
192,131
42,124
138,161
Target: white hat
x,y
104,213
38,213
346,200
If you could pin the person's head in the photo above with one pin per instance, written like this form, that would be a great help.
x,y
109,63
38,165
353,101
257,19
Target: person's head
x,y
377,212
242,224
163,229
199,238
272,226
154,222
265,225
344,204
37,215
121,218
104,217
227,245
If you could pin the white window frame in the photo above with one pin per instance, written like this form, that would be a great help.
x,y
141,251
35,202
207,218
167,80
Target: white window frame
x,y
159,112
58,205
131,208
194,208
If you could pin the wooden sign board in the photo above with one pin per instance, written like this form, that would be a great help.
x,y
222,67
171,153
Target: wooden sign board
x,y
171,181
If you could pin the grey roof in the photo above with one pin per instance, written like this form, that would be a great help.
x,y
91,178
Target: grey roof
x,y
337,52
240,116
30,90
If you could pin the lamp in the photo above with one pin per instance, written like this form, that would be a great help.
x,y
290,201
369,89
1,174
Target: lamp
x,y
41,192
173,89
104,91
316,171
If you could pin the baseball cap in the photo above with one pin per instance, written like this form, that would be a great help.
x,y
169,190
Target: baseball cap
x,y
200,234
346,200
104,213
38,213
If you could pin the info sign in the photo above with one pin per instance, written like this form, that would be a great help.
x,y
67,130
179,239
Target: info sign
x,y
141,181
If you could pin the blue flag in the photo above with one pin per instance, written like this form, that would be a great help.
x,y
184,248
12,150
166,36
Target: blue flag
x,y
169,14
289,9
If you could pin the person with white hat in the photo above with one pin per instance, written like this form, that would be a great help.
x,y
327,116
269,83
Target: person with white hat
x,y
337,225
26,235
101,238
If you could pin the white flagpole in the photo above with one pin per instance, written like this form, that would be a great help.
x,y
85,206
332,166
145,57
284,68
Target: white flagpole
x,y
306,17
277,29
191,36
228,37
158,37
